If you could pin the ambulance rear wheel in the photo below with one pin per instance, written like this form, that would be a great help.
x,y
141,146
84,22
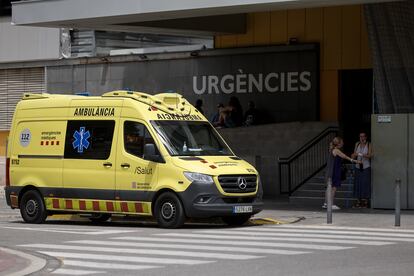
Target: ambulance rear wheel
x,y
32,207
236,220
169,211
99,217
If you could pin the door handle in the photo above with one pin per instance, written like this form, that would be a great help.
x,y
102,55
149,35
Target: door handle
x,y
125,165
107,164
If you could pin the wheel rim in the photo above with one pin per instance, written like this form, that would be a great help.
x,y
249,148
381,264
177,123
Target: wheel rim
x,y
168,210
32,207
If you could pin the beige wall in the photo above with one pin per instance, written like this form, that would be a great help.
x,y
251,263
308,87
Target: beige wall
x,y
340,31
3,138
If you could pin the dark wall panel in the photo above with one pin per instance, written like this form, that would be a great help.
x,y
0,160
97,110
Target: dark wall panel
x,y
283,81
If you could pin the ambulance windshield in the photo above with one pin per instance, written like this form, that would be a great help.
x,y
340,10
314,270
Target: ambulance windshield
x,y
190,138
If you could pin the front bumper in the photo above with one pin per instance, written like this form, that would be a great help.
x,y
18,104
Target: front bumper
x,y
204,201
7,192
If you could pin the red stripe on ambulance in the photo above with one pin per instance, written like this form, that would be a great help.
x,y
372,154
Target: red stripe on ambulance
x,y
69,204
55,203
124,207
138,207
109,206
82,205
95,205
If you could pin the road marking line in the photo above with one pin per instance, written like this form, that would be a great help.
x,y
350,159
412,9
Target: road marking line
x,y
237,243
81,231
80,228
347,237
121,258
327,231
72,262
65,271
190,247
89,228
146,251
296,239
392,230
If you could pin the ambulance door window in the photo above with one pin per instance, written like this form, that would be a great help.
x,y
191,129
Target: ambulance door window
x,y
134,138
136,135
89,139
148,137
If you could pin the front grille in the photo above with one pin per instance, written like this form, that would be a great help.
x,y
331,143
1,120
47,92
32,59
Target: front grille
x,y
231,183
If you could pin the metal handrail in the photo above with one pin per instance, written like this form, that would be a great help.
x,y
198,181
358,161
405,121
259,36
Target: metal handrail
x,y
306,162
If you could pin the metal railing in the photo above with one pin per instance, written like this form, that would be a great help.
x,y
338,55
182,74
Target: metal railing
x,y
306,162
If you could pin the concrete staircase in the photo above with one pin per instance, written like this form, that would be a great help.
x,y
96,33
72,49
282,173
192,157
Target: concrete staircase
x,y
312,193
275,141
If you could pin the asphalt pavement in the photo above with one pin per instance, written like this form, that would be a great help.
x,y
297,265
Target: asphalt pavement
x,y
359,242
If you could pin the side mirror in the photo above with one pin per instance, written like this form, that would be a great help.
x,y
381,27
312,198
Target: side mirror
x,y
150,154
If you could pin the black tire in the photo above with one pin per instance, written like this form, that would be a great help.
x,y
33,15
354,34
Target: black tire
x,y
169,211
236,220
99,217
32,207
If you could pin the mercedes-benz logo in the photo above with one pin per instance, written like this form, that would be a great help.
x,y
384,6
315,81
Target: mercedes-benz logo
x,y
241,181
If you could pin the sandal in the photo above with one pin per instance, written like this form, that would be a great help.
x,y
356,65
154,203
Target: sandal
x,y
357,204
364,203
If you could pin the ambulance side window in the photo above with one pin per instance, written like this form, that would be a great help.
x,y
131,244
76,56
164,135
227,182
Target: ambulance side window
x,y
148,138
89,139
136,136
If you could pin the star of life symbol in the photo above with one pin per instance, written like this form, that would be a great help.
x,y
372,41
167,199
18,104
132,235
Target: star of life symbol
x,y
81,139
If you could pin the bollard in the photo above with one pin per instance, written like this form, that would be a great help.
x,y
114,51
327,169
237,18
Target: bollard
x,y
397,202
329,202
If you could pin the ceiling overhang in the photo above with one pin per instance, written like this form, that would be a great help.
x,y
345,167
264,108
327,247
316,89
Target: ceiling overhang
x,y
202,17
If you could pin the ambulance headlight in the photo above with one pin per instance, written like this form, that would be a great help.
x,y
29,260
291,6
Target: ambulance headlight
x,y
199,177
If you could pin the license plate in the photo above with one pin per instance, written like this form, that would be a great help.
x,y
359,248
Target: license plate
x,y
242,209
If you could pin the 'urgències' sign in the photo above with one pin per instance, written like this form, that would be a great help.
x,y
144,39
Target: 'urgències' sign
x,y
241,83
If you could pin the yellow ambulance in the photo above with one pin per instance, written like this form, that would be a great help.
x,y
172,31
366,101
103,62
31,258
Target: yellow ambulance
x,y
127,153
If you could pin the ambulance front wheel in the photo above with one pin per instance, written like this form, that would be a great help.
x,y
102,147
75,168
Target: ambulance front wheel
x,y
169,211
32,207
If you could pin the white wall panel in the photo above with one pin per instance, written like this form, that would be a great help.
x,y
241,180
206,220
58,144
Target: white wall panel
x,y
18,43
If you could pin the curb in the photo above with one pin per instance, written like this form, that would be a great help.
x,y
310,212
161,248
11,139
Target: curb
x,y
271,221
2,192
255,221
36,263
252,221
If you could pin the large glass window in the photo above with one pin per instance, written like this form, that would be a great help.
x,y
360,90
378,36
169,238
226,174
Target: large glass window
x,y
136,135
187,138
89,139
